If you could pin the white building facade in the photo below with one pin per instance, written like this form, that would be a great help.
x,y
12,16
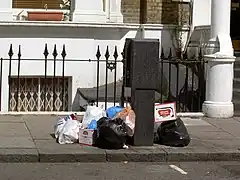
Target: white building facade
x,y
100,22
94,23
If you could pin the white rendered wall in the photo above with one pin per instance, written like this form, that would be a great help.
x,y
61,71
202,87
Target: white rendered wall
x,y
81,41
201,12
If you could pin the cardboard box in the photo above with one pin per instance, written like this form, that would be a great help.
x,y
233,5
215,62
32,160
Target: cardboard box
x,y
165,112
87,136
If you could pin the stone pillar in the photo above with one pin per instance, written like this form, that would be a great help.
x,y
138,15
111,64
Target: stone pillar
x,y
90,11
6,10
219,80
142,60
115,11
220,17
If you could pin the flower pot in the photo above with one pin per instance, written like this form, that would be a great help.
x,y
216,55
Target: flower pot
x,y
45,16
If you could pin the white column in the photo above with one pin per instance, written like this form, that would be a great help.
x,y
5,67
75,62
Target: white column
x,y
220,17
88,11
219,79
6,10
115,11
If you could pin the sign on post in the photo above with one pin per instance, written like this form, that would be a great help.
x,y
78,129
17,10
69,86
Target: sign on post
x,y
165,112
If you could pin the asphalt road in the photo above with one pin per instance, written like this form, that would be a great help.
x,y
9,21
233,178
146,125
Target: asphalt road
x,y
123,171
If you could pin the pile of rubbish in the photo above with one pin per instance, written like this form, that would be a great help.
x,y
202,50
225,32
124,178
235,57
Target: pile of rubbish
x,y
111,129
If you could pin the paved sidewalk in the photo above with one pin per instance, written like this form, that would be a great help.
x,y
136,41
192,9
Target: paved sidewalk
x,y
29,139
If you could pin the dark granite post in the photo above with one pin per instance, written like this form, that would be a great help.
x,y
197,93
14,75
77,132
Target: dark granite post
x,y
142,68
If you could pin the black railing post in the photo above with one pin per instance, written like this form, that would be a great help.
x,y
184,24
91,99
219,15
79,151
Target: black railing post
x,y
177,85
45,53
186,103
10,54
122,99
63,76
54,75
169,74
115,55
201,83
1,70
18,76
161,86
98,55
107,55
192,89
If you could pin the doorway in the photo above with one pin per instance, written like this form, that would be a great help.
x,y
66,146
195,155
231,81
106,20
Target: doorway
x,y
235,24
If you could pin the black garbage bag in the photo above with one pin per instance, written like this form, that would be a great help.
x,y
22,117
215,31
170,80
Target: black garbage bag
x,y
173,133
155,132
112,134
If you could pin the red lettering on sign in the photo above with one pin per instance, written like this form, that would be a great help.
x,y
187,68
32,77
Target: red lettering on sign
x,y
85,133
164,112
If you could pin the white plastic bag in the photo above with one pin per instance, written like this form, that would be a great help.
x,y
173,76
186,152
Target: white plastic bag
x,y
70,132
60,124
92,113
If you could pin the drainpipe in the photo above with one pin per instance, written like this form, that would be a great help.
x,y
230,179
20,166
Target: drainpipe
x,y
142,16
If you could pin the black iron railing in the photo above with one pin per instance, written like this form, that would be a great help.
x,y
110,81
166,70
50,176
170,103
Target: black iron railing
x,y
182,80
110,65
190,94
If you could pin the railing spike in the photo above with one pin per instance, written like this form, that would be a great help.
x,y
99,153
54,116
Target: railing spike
x,y
170,53
19,51
162,53
10,52
98,54
64,51
115,54
123,52
55,51
107,55
45,53
200,53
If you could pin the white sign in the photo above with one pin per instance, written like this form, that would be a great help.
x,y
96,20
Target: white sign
x,y
165,112
86,137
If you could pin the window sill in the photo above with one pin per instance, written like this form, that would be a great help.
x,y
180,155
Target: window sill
x,y
87,25
21,14
182,1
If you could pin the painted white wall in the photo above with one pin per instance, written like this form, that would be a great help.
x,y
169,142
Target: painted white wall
x,y
5,10
81,41
201,12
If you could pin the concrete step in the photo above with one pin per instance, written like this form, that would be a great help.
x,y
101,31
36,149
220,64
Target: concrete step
x,y
236,83
236,94
236,107
237,63
237,72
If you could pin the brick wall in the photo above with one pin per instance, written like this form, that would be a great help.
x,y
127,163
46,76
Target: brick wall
x,y
158,11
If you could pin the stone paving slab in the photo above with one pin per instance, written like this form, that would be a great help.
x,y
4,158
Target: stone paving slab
x,y
28,139
214,135
16,142
41,127
206,129
221,144
230,125
50,151
13,129
11,118
195,122
16,155
15,135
